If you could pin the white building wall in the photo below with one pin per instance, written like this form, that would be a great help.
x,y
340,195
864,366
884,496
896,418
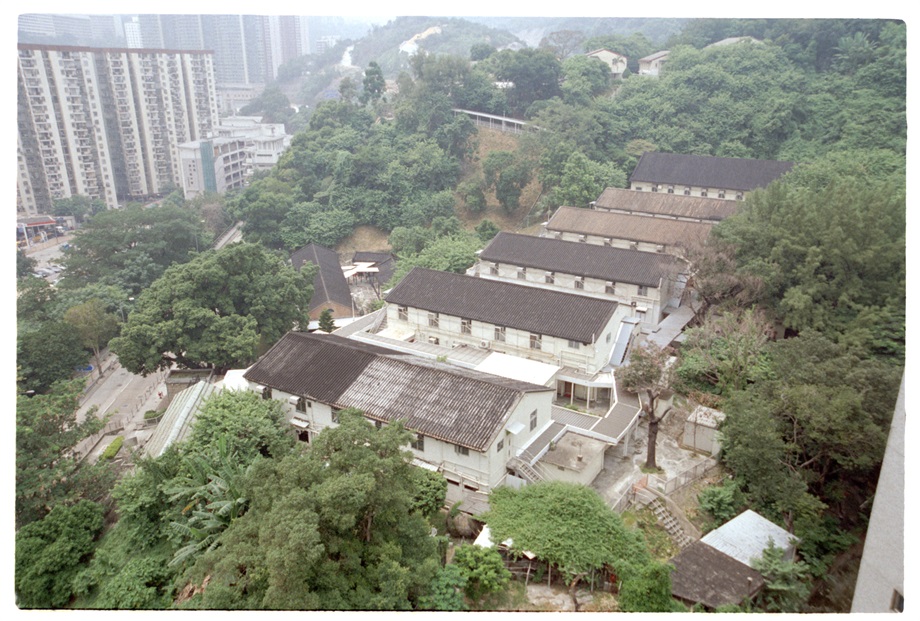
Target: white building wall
x,y
483,470
649,298
588,358
688,190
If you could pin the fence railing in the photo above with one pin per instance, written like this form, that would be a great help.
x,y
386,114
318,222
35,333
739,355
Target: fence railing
x,y
665,486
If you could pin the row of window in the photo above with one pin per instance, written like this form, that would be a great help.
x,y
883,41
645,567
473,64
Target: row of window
x,y
704,193
499,334
550,278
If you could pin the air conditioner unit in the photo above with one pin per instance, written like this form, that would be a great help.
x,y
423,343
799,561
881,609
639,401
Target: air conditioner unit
x,y
609,283
433,340
293,400
659,248
634,245
258,388
484,344
582,238
608,240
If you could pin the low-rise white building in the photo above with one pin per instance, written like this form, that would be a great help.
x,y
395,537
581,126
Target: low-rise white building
x,y
653,63
703,175
620,230
213,165
467,425
265,142
616,62
575,332
643,282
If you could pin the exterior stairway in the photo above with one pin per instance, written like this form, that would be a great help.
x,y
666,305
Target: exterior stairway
x,y
670,524
526,470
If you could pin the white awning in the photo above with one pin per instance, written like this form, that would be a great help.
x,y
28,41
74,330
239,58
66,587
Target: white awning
x,y
424,464
300,423
519,369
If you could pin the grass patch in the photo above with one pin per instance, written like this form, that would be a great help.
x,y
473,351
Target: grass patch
x,y
112,449
660,544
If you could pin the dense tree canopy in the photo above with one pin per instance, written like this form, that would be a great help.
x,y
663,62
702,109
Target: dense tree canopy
x,y
331,528
46,473
216,311
571,527
131,247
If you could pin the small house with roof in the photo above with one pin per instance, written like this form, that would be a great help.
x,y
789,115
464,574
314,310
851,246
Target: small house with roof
x,y
616,62
467,425
663,205
703,175
746,536
575,332
330,288
643,282
653,63
704,576
621,230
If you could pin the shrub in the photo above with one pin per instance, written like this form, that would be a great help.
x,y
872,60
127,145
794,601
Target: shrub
x,y
483,569
50,552
112,449
721,501
151,414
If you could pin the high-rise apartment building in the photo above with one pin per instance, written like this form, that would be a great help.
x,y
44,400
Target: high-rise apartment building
x,y
107,123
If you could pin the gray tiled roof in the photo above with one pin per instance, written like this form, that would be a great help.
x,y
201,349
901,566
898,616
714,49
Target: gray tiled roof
x,y
588,260
630,227
730,173
438,400
707,576
533,309
329,284
664,204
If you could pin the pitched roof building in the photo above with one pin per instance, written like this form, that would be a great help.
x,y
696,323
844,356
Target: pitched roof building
x,y
588,260
330,289
552,313
663,205
704,575
626,230
703,175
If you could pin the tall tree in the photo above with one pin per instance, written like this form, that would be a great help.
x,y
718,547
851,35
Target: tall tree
x,y
94,326
332,528
48,353
649,370
46,473
215,311
326,322
374,84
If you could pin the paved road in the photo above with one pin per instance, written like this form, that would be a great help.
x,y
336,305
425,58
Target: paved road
x,y
122,395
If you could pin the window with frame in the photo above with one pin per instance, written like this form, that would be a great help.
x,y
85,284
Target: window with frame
x,y
418,443
686,191
722,194
638,188
550,278
461,450
643,290
301,405
610,287
267,393
493,269
704,193
574,345
670,189
739,196
434,320
608,336
536,341
533,420
579,282
500,333
522,273
654,188
500,446
466,326
640,315
335,415
403,313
